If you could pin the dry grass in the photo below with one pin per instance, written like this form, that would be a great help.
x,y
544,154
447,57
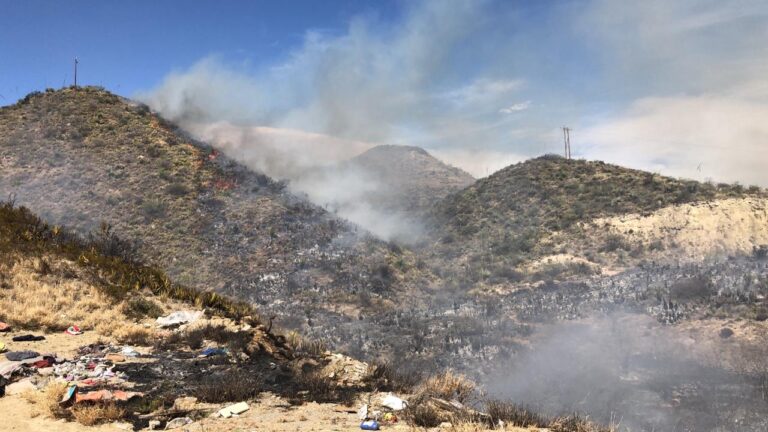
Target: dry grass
x,y
450,386
57,299
90,415
47,402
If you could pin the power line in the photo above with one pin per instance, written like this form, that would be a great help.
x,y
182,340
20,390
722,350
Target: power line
x,y
76,62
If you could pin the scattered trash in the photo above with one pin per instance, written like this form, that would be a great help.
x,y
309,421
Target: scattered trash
x,y
21,355
362,413
46,362
369,425
389,418
178,422
129,352
154,424
210,352
4,327
28,338
2,347
7,368
70,393
178,318
394,403
105,395
73,330
231,410
115,358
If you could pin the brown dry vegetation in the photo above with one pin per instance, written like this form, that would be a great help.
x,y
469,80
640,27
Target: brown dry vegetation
x,y
100,262
56,300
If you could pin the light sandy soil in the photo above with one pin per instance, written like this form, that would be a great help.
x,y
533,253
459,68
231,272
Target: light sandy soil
x,y
696,231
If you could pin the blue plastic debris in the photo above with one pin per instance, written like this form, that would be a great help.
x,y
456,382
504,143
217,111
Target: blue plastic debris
x,y
369,425
209,352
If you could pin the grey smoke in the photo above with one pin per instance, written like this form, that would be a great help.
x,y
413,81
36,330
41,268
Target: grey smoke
x,y
629,370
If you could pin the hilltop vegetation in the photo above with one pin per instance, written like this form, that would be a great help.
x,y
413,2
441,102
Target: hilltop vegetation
x,y
80,157
412,180
513,216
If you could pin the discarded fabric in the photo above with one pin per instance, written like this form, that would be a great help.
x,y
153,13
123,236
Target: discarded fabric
x,y
28,338
177,318
47,361
394,403
237,408
21,355
73,330
369,425
7,368
105,395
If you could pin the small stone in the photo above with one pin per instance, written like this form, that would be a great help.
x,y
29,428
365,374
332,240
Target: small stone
x,y
185,403
154,424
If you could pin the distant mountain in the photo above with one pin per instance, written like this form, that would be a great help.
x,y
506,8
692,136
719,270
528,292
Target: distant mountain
x,y
82,156
414,179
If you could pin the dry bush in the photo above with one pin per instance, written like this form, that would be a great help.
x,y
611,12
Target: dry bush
x,y
513,414
575,423
424,414
134,334
449,385
230,386
302,345
47,401
319,388
384,376
93,414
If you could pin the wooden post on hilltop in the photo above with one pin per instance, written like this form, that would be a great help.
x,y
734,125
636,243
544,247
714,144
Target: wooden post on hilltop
x,y
567,141
76,72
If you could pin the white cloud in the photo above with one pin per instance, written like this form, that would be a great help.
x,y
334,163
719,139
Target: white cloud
x,y
478,162
705,137
521,106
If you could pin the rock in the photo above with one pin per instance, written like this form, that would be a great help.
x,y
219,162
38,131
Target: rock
x,y
154,424
185,403
178,422
445,425
725,333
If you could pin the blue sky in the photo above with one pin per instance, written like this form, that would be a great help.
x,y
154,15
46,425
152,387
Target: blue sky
x,y
666,86
128,46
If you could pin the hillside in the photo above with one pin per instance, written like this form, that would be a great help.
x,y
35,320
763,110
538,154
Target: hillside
x,y
414,179
127,369
83,157
534,209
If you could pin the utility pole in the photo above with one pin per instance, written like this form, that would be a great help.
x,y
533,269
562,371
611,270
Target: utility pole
x,y
567,141
76,62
